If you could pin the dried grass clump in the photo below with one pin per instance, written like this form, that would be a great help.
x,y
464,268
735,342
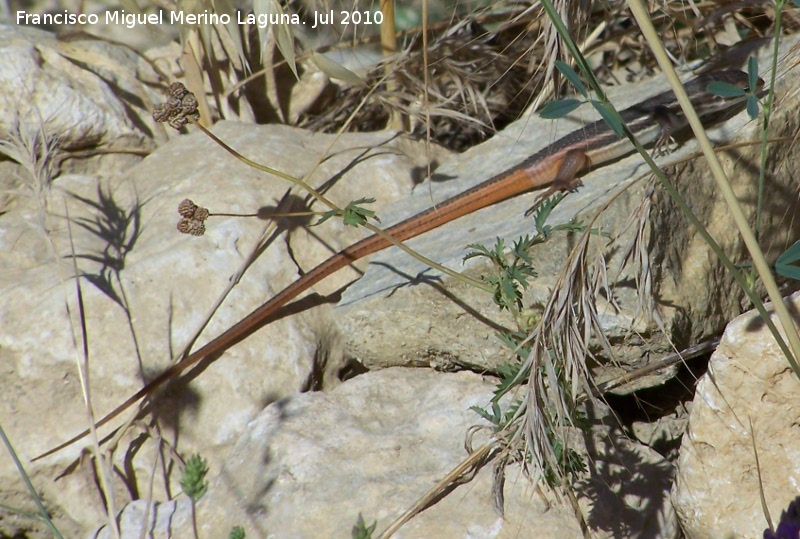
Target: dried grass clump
x,y
476,86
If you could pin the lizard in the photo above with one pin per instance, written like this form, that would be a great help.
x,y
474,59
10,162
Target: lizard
x,y
557,166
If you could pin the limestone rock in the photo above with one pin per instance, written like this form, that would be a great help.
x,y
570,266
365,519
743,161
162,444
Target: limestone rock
x,y
310,464
85,92
749,395
163,520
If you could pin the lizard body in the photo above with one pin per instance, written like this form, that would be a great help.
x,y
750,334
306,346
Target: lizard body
x,y
557,166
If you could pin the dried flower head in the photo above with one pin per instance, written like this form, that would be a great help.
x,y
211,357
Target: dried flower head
x,y
179,109
192,227
201,214
186,208
193,217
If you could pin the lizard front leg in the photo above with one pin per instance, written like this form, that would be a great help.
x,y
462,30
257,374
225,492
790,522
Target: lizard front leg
x,y
566,179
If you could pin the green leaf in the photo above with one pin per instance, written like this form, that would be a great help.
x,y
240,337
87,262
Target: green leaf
x,y
521,274
510,294
608,114
576,226
495,255
484,414
558,109
522,247
509,372
237,532
357,216
543,212
784,265
512,342
361,530
477,251
752,106
790,255
572,77
790,272
352,215
724,89
752,72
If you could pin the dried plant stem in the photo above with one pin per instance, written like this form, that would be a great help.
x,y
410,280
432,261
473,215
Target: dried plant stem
x,y
82,360
389,47
470,464
234,281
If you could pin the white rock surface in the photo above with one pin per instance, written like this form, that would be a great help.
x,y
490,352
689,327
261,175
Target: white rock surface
x,y
749,394
161,520
88,93
309,464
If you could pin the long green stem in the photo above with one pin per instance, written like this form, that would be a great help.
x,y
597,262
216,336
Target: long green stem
x,y
35,495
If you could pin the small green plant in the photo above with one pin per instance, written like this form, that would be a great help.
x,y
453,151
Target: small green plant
x,y
511,277
193,479
361,530
237,532
499,419
194,484
510,376
353,214
570,462
509,281
724,89
560,108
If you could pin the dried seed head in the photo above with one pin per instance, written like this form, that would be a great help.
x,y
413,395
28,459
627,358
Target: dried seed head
x,y
201,214
180,108
187,208
178,90
191,227
160,113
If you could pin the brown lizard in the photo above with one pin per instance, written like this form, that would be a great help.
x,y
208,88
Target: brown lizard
x,y
557,166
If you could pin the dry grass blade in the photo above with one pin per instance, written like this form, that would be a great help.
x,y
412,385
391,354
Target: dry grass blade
x,y
36,152
636,253
764,506
456,476
103,464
